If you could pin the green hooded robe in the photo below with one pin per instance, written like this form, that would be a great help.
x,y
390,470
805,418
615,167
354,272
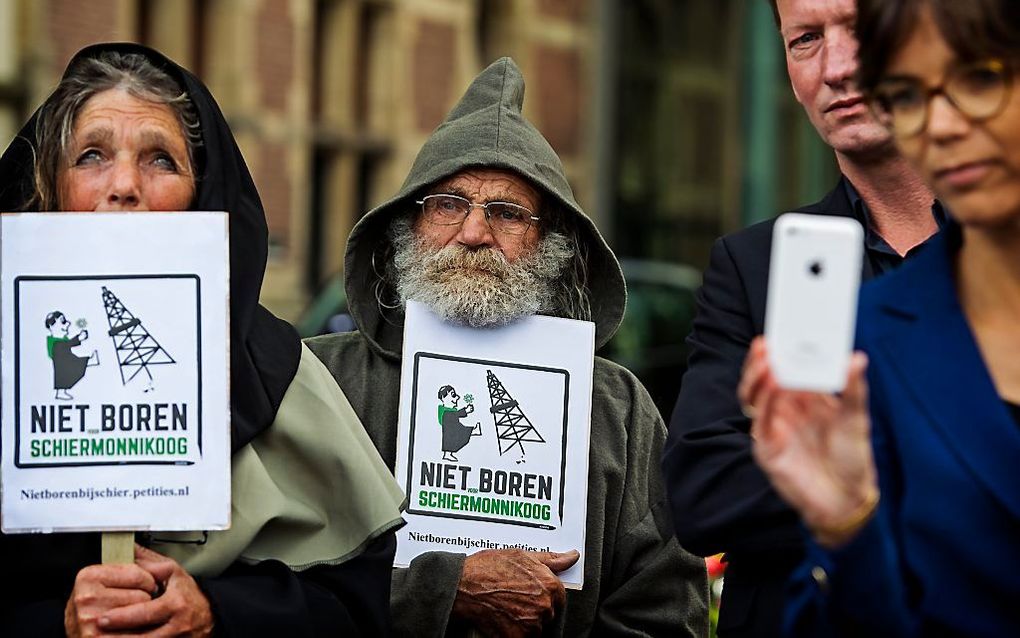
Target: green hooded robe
x,y
637,579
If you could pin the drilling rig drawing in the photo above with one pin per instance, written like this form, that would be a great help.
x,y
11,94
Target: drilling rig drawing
x,y
513,428
137,350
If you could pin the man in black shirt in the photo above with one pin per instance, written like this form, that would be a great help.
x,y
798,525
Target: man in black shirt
x,y
721,501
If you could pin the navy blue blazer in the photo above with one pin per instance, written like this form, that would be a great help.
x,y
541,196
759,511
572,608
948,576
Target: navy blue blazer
x,y
942,555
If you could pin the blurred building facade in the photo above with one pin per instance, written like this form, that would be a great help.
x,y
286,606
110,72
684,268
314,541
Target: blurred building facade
x,y
673,117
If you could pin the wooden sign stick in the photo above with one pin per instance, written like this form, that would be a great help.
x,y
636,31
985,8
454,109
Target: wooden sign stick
x,y
118,548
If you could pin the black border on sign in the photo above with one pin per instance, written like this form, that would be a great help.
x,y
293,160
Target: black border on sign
x,y
485,362
17,361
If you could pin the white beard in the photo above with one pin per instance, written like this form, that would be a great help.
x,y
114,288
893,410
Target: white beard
x,y
477,287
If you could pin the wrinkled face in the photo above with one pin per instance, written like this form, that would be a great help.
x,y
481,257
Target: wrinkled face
x,y
821,58
481,186
126,154
469,274
974,167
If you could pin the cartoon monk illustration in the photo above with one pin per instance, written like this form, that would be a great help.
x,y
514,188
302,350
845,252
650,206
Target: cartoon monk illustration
x,y
68,368
455,434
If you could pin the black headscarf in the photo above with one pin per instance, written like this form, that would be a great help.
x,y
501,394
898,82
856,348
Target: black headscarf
x,y
264,350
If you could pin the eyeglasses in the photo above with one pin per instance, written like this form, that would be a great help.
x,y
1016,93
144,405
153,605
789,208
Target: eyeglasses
x,y
978,91
450,210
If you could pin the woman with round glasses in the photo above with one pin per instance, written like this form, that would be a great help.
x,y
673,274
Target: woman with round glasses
x,y
913,505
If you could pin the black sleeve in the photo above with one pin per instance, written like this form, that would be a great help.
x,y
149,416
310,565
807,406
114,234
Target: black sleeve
x,y
42,569
269,599
35,619
720,500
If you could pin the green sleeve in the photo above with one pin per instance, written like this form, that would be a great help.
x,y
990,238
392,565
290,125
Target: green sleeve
x,y
654,586
421,595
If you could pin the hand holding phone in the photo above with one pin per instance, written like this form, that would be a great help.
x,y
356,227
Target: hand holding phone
x,y
811,307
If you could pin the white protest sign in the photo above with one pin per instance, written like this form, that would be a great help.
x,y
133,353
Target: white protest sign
x,y
114,339
492,443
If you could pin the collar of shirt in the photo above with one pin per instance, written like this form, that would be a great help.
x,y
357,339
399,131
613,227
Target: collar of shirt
x,y
873,242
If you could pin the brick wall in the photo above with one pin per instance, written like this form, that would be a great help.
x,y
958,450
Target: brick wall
x,y
575,11
272,177
72,24
432,72
559,75
274,72
275,53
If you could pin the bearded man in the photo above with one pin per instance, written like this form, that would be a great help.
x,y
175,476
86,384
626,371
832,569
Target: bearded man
x,y
484,231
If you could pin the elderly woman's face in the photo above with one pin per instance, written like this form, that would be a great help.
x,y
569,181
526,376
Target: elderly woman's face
x,y
973,164
126,154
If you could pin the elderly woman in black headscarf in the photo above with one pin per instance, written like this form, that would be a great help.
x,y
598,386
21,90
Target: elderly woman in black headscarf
x,y
314,508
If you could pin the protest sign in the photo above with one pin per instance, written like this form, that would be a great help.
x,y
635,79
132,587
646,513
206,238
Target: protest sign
x,y
492,443
114,342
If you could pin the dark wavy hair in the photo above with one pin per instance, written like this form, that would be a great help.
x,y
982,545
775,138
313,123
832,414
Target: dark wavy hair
x,y
974,29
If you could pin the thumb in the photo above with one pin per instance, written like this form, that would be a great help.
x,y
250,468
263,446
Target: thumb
x,y
557,561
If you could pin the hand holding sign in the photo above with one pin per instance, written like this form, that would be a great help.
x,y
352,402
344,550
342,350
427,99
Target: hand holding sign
x,y
511,592
101,588
153,593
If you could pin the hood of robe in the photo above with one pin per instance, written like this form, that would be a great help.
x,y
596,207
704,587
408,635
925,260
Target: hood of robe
x,y
485,129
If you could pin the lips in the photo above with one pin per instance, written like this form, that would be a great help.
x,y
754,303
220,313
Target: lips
x,y
845,103
964,174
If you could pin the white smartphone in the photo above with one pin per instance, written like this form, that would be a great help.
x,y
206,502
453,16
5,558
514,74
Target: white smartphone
x,y
811,307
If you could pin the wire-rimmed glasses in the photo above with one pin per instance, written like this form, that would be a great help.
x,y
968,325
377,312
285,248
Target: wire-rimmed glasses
x,y
503,217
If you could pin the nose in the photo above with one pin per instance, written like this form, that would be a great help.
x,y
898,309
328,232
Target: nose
x,y
475,231
840,63
125,186
945,121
